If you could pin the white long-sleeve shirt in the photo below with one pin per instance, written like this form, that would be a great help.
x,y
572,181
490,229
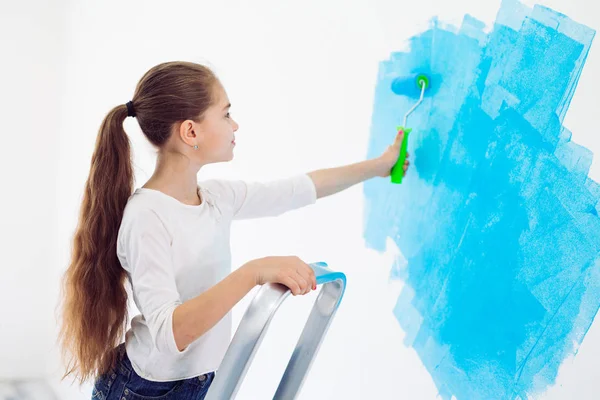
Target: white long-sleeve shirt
x,y
173,252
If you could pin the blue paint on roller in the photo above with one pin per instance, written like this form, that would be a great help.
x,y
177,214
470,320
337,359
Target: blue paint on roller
x,y
407,85
497,219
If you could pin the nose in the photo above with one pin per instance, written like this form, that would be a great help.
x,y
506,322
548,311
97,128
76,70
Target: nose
x,y
235,125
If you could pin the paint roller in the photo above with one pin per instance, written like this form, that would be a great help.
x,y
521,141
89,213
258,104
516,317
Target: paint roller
x,y
407,86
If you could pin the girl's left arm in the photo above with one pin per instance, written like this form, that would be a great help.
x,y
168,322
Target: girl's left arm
x,y
332,180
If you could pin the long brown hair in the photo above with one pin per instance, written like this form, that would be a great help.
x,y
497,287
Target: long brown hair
x,y
94,300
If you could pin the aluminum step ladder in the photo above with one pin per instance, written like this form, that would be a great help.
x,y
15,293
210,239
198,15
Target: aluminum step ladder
x,y
254,324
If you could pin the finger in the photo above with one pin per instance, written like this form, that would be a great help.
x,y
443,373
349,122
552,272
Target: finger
x,y
309,274
292,285
310,277
302,283
399,138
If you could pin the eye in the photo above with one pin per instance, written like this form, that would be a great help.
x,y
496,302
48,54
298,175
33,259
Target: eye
x,y
228,115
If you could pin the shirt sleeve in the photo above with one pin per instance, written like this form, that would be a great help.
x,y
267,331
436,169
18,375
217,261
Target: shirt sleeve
x,y
147,249
268,199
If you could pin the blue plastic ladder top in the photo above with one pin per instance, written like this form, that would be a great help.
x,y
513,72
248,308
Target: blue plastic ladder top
x,y
254,324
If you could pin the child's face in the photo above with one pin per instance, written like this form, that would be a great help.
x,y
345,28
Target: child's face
x,y
217,130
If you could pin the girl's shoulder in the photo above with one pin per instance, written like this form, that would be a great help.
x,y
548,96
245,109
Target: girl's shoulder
x,y
222,192
144,211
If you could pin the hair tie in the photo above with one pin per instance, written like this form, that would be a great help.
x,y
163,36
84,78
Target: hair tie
x,y
130,110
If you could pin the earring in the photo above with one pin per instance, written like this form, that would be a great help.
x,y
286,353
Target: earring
x,y
195,147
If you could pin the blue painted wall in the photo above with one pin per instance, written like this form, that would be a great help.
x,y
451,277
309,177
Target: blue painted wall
x,y
497,218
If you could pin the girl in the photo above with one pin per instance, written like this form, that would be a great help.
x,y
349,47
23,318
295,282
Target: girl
x,y
169,239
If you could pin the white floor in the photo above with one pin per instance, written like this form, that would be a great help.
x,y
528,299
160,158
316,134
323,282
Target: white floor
x,y
26,390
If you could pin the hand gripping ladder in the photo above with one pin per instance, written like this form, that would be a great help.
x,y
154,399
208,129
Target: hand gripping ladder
x,y
254,324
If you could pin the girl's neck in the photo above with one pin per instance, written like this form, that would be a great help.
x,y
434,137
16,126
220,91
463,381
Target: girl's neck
x,y
175,177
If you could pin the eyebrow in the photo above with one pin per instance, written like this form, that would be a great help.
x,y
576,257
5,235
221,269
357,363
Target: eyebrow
x,y
227,106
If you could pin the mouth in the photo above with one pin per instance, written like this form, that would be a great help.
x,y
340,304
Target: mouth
x,y
233,141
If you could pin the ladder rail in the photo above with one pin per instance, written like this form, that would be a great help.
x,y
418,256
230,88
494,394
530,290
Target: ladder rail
x,y
254,325
310,341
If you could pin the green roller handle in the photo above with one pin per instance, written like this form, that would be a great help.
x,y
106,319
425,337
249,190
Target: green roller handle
x,y
397,170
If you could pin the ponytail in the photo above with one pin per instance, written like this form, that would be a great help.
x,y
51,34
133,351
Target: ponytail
x,y
94,309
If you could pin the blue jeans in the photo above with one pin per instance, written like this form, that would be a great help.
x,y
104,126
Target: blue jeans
x,y
122,383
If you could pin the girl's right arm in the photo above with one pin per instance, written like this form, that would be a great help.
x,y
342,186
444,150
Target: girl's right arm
x,y
198,315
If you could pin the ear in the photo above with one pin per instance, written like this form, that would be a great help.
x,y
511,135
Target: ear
x,y
189,132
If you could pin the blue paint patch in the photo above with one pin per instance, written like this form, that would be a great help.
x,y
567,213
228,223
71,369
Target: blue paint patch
x,y
497,217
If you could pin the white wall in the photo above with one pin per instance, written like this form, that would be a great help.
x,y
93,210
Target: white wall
x,y
300,76
32,51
